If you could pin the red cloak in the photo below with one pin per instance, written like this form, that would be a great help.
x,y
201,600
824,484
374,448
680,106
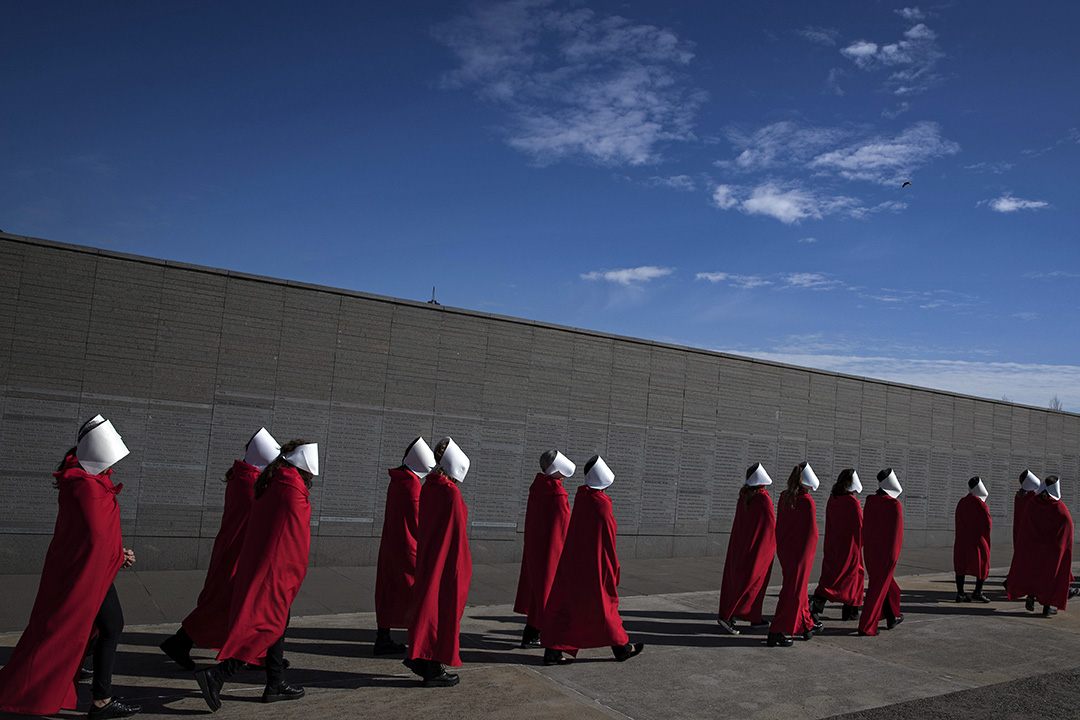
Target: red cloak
x,y
796,543
271,567
546,518
583,606
443,572
1042,565
1021,501
971,547
842,577
84,556
883,537
397,550
208,623
748,563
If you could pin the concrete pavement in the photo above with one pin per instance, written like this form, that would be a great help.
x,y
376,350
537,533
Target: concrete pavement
x,y
944,660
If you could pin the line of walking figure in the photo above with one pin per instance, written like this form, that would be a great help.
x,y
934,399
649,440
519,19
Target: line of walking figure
x,y
567,588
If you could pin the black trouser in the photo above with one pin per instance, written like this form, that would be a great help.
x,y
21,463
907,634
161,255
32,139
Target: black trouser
x,y
110,623
275,665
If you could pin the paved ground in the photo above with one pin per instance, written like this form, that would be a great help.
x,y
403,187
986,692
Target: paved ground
x,y
945,660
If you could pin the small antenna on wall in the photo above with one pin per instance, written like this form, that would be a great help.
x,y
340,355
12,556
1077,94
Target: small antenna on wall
x,y
432,301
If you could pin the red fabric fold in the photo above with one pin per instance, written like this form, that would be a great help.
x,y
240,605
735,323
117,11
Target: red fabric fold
x,y
749,559
842,577
883,538
796,543
583,606
83,558
271,567
546,519
971,545
443,572
208,623
396,572
1042,565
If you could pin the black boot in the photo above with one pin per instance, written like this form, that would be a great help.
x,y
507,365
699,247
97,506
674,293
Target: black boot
x,y
113,709
282,691
817,606
435,675
178,648
530,637
384,644
815,629
555,657
1048,611
623,653
978,596
891,622
727,626
1029,604
210,682
849,612
779,640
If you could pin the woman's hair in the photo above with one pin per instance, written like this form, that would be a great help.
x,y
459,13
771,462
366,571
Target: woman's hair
x,y
794,481
547,458
440,448
746,493
842,486
268,473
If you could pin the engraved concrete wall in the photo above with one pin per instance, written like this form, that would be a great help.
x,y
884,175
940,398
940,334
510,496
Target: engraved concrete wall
x,y
188,361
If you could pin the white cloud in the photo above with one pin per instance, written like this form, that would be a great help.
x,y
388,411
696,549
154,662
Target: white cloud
x,y
1007,203
911,13
790,204
575,84
1030,384
808,240
811,281
724,197
888,160
743,282
781,144
911,59
997,168
629,276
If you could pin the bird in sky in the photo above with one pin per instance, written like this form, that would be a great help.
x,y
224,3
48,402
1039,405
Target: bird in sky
x,y
905,184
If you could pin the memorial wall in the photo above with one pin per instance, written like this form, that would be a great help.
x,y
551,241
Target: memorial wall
x,y
189,361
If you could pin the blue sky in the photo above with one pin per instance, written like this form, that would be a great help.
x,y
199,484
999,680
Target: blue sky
x,y
719,175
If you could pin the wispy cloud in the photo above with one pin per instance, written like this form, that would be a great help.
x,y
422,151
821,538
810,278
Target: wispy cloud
x,y
1030,384
780,144
811,281
820,35
888,160
912,59
790,203
629,276
575,84
996,168
683,183
744,282
1051,275
1007,204
912,14
808,240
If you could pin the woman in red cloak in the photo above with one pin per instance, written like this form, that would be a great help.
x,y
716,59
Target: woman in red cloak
x,y
75,596
1044,570
750,551
583,607
271,567
443,570
883,538
207,625
396,571
971,545
1029,488
842,577
796,543
546,518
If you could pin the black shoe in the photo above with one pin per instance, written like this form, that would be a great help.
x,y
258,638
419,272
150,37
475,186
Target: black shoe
x,y
892,622
779,640
1029,604
555,657
963,597
623,653
1073,592
386,646
210,682
817,606
115,709
815,629
863,634
979,598
282,691
727,626
178,653
444,680
530,637
1048,611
